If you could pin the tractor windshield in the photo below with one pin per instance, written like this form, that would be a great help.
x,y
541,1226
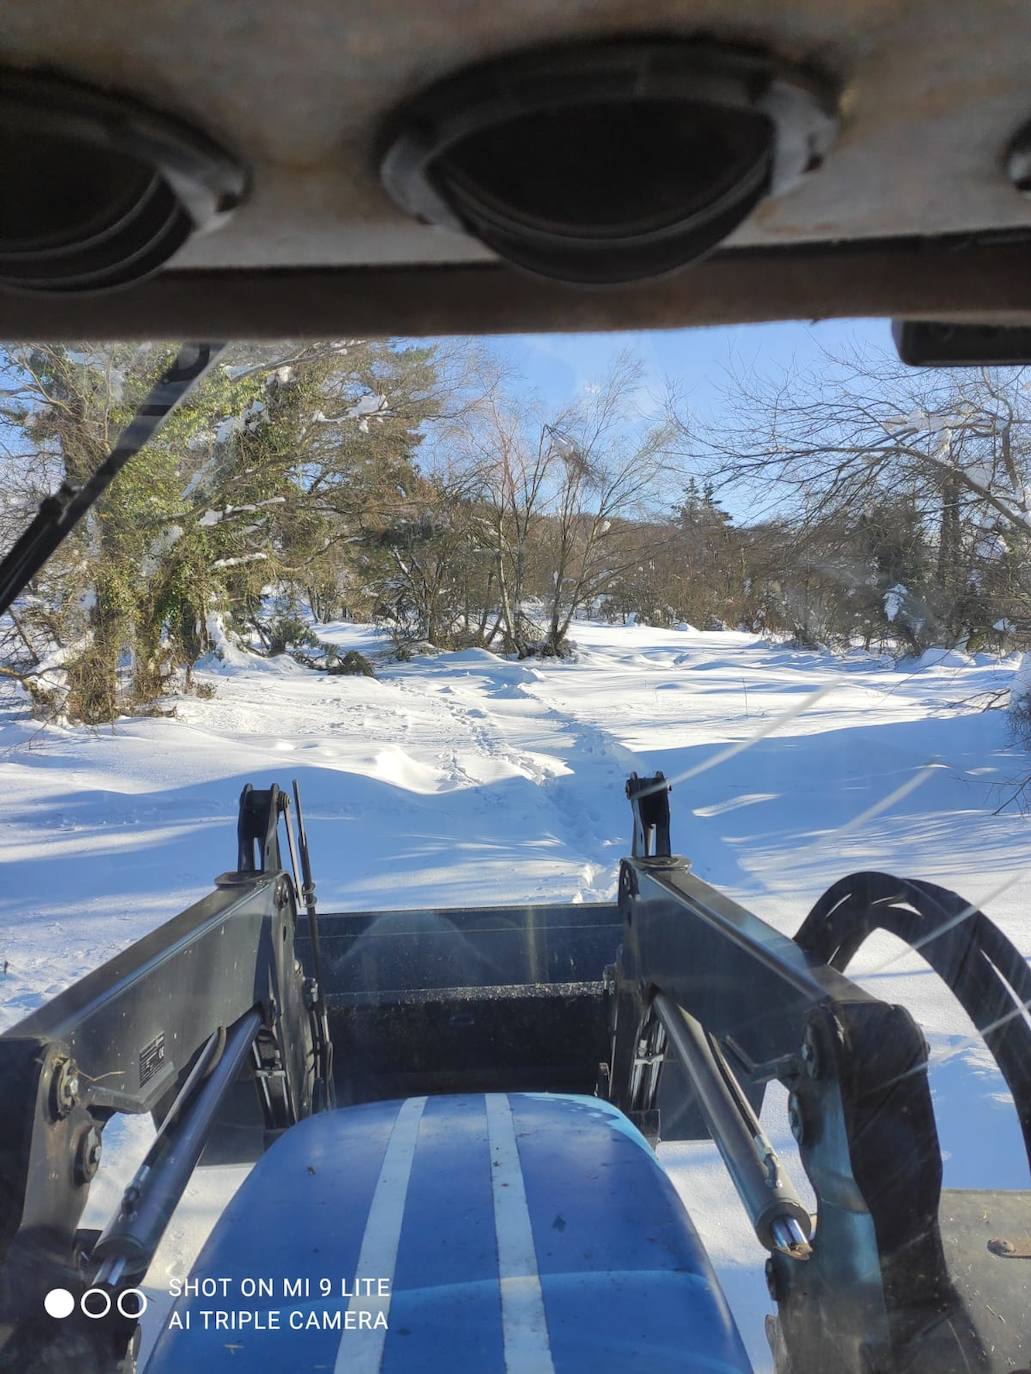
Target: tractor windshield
x,y
461,589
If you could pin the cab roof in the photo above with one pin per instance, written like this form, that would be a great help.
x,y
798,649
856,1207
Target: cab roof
x,y
912,212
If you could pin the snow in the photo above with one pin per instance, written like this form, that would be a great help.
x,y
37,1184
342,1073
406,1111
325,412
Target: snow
x,y
920,419
894,600
991,546
370,406
226,428
938,656
258,557
211,518
1020,686
465,778
160,546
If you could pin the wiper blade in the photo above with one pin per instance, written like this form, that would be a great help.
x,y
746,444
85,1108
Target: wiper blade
x,y
59,513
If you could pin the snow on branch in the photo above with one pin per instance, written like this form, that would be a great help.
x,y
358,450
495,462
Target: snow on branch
x,y
236,562
371,406
210,518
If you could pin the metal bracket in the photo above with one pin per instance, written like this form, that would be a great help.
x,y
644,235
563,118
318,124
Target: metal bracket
x,y
257,830
649,801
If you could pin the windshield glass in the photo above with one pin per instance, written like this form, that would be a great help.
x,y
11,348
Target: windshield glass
x,y
461,589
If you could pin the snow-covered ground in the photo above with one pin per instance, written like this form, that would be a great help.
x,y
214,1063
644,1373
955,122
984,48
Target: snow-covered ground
x,y
466,778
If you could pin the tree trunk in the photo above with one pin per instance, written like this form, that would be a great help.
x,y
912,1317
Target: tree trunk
x,y
93,676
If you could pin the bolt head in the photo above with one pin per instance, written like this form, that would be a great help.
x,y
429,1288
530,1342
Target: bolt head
x,y
1001,1246
87,1156
64,1087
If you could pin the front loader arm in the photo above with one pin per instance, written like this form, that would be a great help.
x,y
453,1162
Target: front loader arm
x,y
206,1023
709,1004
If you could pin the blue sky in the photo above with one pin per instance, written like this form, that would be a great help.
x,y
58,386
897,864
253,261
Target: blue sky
x,y
557,366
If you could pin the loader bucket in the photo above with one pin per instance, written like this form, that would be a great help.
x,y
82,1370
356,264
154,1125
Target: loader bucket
x,y
466,1000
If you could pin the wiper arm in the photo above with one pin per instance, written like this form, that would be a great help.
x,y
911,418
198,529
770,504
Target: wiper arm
x,y
59,513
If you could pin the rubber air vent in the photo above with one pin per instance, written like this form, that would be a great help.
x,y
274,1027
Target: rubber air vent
x,y
96,191
607,163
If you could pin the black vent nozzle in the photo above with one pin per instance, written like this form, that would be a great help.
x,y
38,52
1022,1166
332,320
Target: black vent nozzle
x,y
96,190
607,163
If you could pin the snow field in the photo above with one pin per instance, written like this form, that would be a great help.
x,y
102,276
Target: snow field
x,y
465,778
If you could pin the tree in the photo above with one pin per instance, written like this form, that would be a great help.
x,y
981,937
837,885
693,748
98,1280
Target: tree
x,y
836,444
89,611
554,494
278,459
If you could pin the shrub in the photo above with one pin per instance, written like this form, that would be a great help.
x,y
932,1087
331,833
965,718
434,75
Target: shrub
x,y
287,632
802,637
351,664
545,648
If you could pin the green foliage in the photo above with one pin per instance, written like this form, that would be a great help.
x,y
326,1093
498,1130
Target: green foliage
x,y
288,632
264,477
350,664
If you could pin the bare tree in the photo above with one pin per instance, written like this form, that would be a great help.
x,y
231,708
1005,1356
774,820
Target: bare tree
x,y
554,494
826,439
509,459
610,461
834,444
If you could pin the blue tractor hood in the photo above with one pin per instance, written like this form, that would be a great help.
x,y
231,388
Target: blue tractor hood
x,y
517,1233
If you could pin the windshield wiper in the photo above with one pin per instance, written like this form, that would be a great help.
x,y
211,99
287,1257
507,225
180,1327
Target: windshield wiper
x,y
59,513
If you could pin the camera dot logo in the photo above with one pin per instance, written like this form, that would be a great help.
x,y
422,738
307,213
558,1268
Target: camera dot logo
x,y
132,1303
95,1303
59,1303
